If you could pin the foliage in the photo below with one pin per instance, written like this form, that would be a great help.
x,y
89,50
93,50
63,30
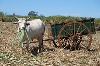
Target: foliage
x,y
97,20
8,19
34,15
1,15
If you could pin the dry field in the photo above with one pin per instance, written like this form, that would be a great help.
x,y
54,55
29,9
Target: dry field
x,y
51,56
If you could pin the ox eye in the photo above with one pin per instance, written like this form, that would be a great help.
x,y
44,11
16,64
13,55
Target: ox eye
x,y
19,22
27,24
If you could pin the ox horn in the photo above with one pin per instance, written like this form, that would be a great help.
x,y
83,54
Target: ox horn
x,y
15,17
28,18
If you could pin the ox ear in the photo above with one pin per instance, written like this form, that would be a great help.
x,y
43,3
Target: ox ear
x,y
28,18
15,23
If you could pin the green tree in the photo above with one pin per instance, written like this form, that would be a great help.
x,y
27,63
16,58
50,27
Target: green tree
x,y
1,14
33,13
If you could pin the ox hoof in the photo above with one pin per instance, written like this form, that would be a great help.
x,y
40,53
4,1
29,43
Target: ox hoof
x,y
34,51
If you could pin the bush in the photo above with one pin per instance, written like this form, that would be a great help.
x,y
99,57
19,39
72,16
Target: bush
x,y
8,19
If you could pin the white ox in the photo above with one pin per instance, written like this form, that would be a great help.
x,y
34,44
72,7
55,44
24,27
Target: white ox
x,y
35,30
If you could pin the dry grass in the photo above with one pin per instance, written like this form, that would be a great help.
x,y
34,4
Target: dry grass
x,y
10,56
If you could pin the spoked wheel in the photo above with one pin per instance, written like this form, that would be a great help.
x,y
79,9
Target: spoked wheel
x,y
74,35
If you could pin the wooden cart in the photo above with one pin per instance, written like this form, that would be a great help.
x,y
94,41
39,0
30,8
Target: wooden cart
x,y
74,34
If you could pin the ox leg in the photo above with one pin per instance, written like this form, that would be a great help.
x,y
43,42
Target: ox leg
x,y
27,45
40,39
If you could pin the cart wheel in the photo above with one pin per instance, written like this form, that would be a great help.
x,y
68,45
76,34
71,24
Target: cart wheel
x,y
74,35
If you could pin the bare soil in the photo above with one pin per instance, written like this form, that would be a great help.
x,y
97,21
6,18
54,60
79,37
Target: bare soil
x,y
51,56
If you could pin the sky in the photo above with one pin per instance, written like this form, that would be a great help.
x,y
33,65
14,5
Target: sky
x,y
78,8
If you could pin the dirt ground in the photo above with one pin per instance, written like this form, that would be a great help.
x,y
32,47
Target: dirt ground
x,y
51,56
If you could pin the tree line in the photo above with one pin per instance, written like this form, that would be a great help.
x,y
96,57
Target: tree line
x,y
34,15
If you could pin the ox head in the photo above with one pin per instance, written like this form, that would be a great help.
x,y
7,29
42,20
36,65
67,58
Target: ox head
x,y
22,23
